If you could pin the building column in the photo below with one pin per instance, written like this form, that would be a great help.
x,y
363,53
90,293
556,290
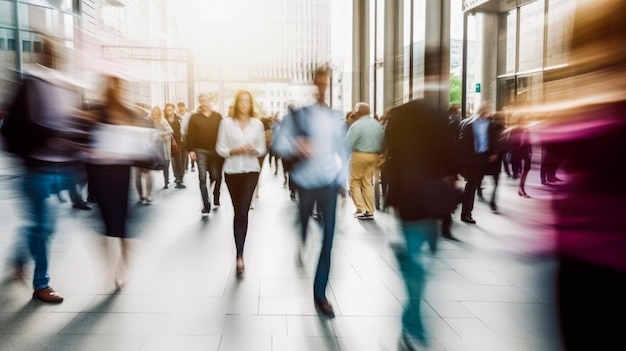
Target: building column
x,y
437,55
360,51
486,57
393,60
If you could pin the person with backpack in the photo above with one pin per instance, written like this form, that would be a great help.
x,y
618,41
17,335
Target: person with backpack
x,y
36,131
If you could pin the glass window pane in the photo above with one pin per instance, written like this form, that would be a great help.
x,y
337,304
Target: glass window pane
x,y
419,43
7,13
406,53
560,15
531,36
507,42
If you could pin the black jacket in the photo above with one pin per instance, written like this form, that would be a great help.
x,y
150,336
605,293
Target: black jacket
x,y
419,149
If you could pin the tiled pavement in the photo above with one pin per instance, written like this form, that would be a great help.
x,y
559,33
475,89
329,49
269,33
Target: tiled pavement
x,y
490,291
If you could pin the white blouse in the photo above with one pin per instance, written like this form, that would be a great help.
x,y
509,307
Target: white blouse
x,y
231,136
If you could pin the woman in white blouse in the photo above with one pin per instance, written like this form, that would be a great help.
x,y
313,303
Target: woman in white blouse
x,y
240,141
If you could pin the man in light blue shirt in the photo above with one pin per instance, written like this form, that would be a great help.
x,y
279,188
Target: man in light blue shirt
x,y
365,140
314,139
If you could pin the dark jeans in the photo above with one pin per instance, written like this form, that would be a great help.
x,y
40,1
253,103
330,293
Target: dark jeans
x,y
178,165
326,199
209,162
241,188
166,172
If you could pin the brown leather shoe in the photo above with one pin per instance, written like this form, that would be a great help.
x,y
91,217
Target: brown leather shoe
x,y
325,307
47,295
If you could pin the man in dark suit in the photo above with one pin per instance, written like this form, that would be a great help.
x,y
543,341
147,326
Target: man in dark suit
x,y
478,137
419,151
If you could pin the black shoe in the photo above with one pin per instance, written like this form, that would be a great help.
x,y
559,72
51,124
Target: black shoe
x,y
166,187
468,219
365,216
205,211
325,307
180,186
448,235
91,198
216,202
292,195
493,207
81,206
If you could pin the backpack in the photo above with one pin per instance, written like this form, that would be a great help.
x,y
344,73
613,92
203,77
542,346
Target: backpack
x,y
20,133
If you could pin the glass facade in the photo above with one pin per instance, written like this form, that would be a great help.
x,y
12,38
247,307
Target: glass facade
x,y
532,47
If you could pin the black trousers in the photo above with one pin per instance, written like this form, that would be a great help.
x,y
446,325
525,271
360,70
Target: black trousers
x,y
474,173
241,188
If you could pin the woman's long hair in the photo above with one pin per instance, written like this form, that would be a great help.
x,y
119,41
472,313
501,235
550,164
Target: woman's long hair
x,y
236,113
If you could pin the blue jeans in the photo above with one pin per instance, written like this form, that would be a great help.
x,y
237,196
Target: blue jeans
x,y
326,199
209,162
40,216
416,234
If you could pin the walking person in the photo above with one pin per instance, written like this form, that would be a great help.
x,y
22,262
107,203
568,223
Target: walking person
x,y
316,136
159,122
184,114
454,127
109,181
365,139
478,137
417,140
178,159
518,140
201,139
48,99
241,141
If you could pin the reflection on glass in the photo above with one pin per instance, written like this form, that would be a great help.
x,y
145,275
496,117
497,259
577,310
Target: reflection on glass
x,y
507,41
531,36
560,15
419,38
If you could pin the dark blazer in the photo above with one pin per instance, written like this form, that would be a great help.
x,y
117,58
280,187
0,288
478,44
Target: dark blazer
x,y
417,137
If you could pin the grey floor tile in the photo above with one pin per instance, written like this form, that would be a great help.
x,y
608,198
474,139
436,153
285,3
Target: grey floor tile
x,y
309,326
245,343
309,343
182,342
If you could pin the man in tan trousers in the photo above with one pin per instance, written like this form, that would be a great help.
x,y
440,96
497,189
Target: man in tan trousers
x,y
365,139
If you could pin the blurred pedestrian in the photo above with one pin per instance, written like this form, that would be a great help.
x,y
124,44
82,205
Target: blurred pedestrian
x,y
201,139
178,157
365,139
520,149
420,157
314,138
454,128
159,122
109,180
478,137
241,141
587,125
48,99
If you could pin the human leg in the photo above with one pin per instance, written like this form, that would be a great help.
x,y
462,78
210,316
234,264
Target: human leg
x,y
215,165
166,174
367,182
416,234
358,167
202,162
241,187
327,202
